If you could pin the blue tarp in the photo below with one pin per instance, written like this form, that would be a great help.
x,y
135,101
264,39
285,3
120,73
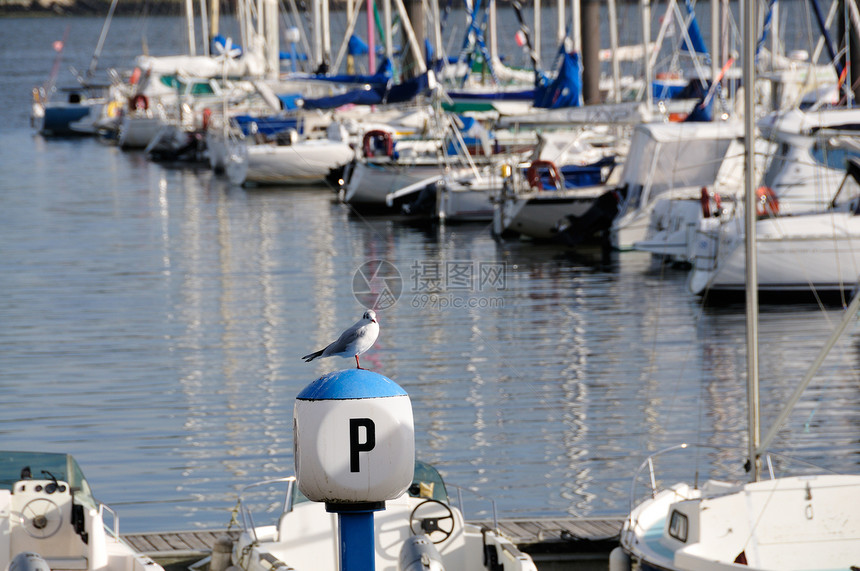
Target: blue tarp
x,y
267,125
696,39
373,95
290,100
382,76
565,90
702,112
356,46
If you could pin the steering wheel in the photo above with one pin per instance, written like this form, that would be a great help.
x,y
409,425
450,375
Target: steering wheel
x,y
41,518
429,524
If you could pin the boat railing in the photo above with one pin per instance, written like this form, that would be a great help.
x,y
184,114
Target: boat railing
x,y
648,465
461,503
114,528
245,511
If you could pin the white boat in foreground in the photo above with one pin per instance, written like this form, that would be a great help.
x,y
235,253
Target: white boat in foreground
x,y
807,522
418,530
50,519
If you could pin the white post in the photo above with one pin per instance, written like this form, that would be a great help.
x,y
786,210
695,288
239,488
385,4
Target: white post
x,y
576,25
536,33
561,33
751,268
715,39
189,22
613,44
386,16
273,61
317,23
494,36
646,44
326,31
204,26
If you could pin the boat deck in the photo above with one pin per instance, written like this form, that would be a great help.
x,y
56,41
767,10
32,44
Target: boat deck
x,y
545,539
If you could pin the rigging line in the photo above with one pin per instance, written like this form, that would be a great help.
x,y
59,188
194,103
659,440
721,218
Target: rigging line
x,y
847,319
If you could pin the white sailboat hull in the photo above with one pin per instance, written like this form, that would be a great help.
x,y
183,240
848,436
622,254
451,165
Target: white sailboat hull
x,y
304,162
795,253
370,183
538,214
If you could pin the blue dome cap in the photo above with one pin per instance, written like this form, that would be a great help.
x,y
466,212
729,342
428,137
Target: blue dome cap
x,y
351,384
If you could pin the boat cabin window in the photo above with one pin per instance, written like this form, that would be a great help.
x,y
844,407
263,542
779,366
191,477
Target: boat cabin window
x,y
834,152
678,526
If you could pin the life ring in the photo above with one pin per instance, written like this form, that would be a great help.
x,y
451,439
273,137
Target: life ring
x,y
534,171
139,102
371,140
767,204
135,76
206,119
706,199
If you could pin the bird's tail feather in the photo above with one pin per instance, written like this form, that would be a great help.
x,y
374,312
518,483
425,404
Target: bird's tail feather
x,y
313,356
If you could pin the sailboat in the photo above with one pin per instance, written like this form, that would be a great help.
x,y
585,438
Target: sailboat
x,y
781,523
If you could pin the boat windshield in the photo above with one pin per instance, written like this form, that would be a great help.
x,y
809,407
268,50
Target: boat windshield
x,y
427,483
16,466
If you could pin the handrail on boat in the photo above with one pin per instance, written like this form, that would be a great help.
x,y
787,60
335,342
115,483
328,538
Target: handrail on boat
x,y
473,492
248,518
649,462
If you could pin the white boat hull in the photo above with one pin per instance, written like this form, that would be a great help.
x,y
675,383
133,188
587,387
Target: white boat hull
x,y
795,254
793,523
304,162
136,132
370,183
539,214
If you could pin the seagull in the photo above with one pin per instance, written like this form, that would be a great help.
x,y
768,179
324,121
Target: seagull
x,y
352,342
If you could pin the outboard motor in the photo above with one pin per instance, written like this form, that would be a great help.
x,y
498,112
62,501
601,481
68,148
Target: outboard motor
x,y
28,561
619,560
419,554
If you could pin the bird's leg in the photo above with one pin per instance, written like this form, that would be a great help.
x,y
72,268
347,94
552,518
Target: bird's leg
x,y
357,366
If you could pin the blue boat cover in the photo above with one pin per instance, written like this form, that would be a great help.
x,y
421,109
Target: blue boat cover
x,y
563,91
381,78
694,33
356,46
267,125
373,94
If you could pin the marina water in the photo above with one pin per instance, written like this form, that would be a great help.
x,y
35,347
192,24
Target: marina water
x,y
152,321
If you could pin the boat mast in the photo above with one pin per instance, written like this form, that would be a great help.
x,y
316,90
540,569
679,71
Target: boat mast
x,y
189,22
754,459
646,43
97,54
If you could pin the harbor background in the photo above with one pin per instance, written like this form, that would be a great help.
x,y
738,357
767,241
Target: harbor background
x,y
153,319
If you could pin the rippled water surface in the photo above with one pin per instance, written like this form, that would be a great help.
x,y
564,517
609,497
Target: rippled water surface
x,y
152,322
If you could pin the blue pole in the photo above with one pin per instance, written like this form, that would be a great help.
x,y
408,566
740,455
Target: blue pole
x,y
357,545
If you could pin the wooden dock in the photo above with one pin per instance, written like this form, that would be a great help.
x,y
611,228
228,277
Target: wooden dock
x,y
554,543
